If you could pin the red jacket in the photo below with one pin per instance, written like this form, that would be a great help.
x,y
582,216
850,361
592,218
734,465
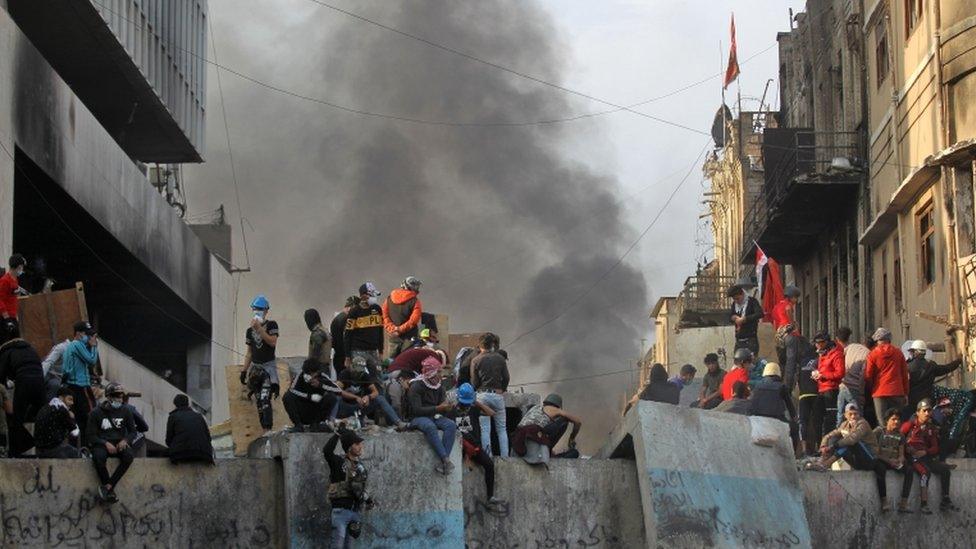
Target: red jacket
x,y
782,313
921,436
733,375
886,371
831,368
8,295
400,298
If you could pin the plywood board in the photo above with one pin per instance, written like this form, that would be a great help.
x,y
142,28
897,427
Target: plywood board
x,y
245,426
48,318
459,341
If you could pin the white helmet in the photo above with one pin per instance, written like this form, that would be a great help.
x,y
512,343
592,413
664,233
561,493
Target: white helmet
x,y
919,345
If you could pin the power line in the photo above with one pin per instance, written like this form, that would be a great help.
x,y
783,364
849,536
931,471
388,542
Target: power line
x,y
230,154
619,260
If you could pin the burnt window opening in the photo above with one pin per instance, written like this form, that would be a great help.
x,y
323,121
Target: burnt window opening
x,y
926,246
881,65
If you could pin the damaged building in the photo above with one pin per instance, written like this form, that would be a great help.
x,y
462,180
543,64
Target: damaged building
x,y
100,102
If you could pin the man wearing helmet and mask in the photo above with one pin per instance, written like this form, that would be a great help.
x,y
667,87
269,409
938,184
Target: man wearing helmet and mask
x,y
111,430
260,372
363,336
922,374
402,312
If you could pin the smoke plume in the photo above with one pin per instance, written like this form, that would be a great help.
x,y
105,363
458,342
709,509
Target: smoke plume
x,y
504,227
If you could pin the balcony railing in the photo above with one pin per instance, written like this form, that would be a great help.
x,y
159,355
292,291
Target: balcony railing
x,y
703,302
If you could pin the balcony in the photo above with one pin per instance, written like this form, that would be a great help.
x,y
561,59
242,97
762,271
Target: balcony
x,y
810,184
703,303
137,65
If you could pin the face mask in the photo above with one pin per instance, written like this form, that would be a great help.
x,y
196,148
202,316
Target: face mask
x,y
85,338
115,404
372,301
19,273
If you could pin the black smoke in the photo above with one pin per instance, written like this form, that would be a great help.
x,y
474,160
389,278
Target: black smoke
x,y
503,225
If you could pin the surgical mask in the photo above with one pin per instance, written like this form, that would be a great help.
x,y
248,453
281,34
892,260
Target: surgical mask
x,y
259,315
85,338
373,301
115,404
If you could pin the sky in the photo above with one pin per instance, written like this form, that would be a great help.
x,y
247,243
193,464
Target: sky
x,y
623,52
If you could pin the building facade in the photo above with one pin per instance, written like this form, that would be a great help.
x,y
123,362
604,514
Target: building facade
x,y
91,91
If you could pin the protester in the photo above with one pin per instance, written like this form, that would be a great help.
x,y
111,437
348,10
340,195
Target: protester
x,y
466,413
770,398
78,360
658,388
347,487
319,342
745,314
337,331
851,387
685,376
741,364
187,434
886,372
739,403
810,429
402,313
10,288
545,425
406,366
891,454
711,390
797,352
54,427
464,357
489,376
426,408
111,429
20,363
830,370
363,336
308,402
53,365
854,442
138,442
362,384
260,372
922,440
783,312
922,374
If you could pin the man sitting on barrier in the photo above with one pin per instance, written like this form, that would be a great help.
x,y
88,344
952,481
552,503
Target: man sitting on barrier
x,y
545,425
310,397
891,454
111,429
361,382
739,403
427,405
922,439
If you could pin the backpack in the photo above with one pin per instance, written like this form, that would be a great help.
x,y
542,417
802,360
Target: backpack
x,y
459,359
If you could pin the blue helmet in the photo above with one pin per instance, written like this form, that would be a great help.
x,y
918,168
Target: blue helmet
x,y
465,394
260,302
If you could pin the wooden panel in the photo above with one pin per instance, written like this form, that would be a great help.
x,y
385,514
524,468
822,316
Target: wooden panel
x,y
457,341
48,318
245,426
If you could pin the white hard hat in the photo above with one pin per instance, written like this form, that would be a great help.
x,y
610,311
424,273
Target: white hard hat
x,y
919,345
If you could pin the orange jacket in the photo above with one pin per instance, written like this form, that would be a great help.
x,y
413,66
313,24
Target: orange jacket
x,y
399,297
886,371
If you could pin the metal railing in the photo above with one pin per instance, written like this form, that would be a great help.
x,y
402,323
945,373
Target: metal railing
x,y
704,293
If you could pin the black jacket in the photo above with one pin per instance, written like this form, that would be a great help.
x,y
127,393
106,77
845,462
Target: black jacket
x,y
753,314
490,372
661,391
921,378
52,426
107,424
188,436
771,398
364,329
19,362
336,332
798,353
422,401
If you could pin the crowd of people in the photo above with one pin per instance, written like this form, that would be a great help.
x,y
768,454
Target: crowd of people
x,y
380,363
823,389
59,407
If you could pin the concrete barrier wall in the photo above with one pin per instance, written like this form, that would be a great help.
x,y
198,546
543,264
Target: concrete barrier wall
x,y
52,503
573,503
843,510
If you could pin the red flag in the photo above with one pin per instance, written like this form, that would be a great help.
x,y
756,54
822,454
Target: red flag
x,y
770,282
732,72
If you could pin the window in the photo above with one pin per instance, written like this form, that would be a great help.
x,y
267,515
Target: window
x,y
884,283
897,268
913,12
881,51
926,245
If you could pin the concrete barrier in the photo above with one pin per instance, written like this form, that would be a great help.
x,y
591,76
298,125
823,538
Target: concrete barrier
x,y
51,503
704,484
573,503
843,510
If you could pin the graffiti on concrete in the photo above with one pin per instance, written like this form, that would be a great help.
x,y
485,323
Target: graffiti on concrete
x,y
683,522
161,518
494,519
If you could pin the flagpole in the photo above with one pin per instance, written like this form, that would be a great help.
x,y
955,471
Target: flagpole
x,y
721,63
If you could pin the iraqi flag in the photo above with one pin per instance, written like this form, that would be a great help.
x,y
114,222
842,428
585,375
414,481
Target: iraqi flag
x,y
769,281
732,70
